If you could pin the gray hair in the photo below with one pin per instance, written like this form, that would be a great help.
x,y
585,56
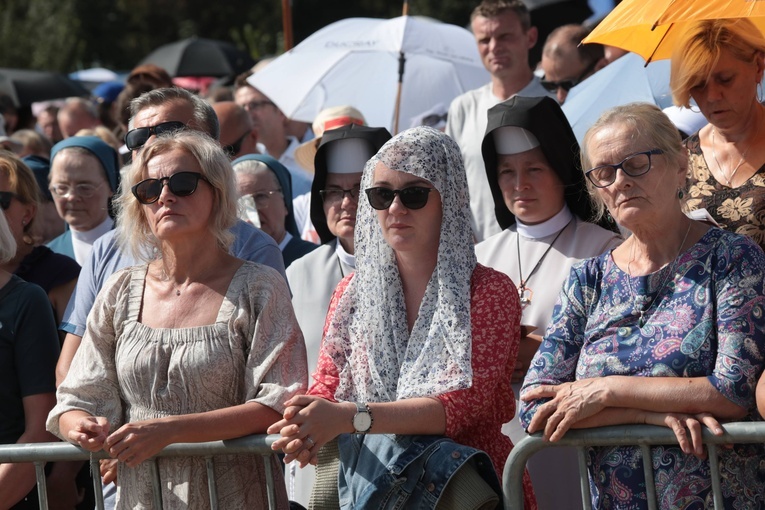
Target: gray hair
x,y
648,123
135,235
204,116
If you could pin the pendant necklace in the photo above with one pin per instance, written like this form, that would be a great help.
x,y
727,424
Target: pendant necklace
x,y
728,180
525,293
642,310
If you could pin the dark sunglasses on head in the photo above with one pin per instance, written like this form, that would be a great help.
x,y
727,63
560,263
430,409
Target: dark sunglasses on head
x,y
181,184
553,86
136,138
413,197
5,199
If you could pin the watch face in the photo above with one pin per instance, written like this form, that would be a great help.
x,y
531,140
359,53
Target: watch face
x,y
362,421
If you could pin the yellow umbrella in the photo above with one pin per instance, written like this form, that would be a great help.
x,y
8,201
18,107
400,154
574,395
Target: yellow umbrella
x,y
651,27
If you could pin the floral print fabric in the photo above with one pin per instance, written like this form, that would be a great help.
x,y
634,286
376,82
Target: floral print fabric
x,y
367,336
708,319
740,210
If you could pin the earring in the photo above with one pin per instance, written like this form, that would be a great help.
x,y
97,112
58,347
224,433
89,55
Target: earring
x,y
760,97
680,193
23,223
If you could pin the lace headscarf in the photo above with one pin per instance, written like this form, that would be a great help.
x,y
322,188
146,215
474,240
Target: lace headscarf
x,y
378,360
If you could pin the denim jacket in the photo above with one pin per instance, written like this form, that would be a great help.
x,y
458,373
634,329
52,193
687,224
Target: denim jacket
x,y
391,472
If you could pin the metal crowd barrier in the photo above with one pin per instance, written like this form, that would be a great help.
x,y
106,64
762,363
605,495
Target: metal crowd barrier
x,y
40,453
643,436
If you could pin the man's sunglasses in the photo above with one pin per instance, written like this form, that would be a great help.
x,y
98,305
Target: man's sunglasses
x,y
553,86
233,149
5,199
136,138
413,197
181,184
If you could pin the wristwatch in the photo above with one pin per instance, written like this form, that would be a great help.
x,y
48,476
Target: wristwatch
x,y
362,420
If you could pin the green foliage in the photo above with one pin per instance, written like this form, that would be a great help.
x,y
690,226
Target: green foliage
x,y
65,35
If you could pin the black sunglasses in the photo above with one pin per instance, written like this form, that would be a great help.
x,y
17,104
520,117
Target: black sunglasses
x,y
181,184
233,149
413,197
553,86
5,199
136,138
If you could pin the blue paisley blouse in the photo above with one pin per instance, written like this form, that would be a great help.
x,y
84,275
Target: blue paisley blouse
x,y
706,319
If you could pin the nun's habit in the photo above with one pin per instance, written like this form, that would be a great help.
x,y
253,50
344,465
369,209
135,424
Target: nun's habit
x,y
76,244
539,257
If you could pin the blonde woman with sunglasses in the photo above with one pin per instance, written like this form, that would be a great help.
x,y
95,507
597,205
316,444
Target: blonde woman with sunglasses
x,y
196,345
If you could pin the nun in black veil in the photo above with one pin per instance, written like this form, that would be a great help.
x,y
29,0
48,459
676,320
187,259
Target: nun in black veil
x,y
549,223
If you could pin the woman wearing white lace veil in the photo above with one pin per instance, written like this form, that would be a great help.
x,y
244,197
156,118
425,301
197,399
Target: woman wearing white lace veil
x,y
421,340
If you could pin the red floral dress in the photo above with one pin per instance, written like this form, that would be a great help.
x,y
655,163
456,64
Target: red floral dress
x,y
474,416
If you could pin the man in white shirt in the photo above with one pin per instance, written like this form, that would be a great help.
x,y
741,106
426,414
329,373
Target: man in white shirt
x,y
504,35
272,124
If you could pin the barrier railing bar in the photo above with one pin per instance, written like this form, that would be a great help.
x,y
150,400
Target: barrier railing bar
x,y
95,475
156,483
714,467
41,453
211,484
42,492
584,483
650,482
629,435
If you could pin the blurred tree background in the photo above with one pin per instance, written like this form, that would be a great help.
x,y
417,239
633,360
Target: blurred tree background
x,y
67,35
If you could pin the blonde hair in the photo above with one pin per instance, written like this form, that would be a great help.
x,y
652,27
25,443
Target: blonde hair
x,y
647,123
134,233
23,184
7,242
698,50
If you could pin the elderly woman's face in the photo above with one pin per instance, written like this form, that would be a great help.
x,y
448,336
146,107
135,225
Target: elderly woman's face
x,y
404,229
80,189
530,187
264,188
634,201
174,217
726,98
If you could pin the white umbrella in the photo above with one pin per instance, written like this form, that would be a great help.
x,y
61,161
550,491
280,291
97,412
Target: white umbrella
x,y
356,62
626,80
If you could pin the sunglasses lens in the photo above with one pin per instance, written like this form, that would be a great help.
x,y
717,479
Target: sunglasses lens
x,y
168,127
183,184
380,198
415,197
5,200
135,138
148,191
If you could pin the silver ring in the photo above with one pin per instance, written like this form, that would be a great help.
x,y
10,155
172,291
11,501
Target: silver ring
x,y
307,439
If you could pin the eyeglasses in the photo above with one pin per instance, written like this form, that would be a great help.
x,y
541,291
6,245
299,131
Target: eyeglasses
x,y
262,198
83,190
257,105
5,199
413,197
553,86
633,165
233,149
330,196
136,138
181,184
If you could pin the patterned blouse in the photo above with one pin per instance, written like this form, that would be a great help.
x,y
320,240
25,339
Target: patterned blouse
x,y
708,320
474,416
740,210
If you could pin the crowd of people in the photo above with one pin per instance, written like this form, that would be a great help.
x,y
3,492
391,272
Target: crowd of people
x,y
399,308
